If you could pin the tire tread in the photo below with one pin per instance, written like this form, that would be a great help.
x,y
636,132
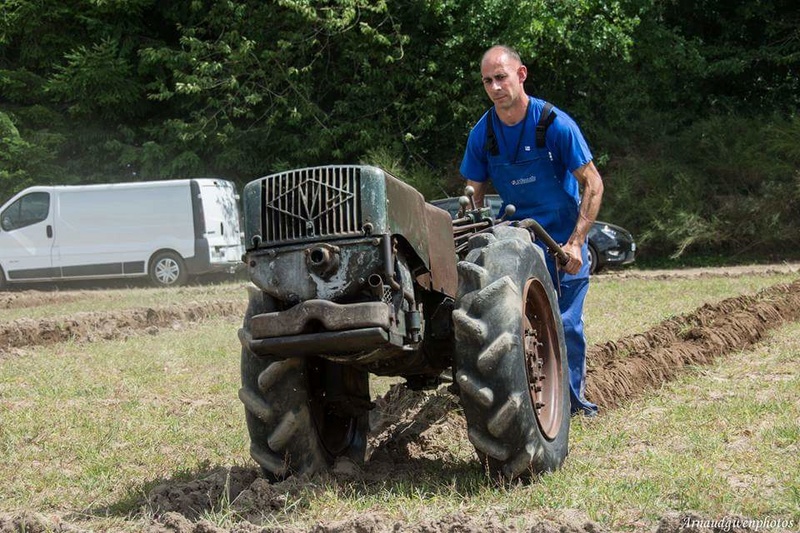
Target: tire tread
x,y
489,355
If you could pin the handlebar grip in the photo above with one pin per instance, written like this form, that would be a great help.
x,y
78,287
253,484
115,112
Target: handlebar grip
x,y
539,231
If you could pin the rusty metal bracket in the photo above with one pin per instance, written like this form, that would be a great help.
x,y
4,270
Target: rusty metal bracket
x,y
331,316
345,343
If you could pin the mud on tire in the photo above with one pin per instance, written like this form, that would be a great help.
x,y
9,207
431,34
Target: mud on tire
x,y
506,322
301,413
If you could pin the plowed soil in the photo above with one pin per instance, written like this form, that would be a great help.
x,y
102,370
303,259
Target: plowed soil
x,y
406,425
22,299
623,369
705,272
94,326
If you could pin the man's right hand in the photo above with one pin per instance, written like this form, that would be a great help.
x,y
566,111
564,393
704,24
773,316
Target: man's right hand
x,y
575,262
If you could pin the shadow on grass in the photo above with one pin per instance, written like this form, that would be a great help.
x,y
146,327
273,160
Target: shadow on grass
x,y
417,456
244,491
136,497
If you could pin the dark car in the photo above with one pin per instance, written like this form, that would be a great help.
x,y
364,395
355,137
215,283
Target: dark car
x,y
609,244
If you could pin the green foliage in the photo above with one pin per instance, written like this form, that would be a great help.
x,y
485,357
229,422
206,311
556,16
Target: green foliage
x,y
429,183
723,185
96,81
250,87
101,90
751,50
12,154
21,160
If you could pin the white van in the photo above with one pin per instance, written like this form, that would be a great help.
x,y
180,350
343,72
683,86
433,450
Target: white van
x,y
167,230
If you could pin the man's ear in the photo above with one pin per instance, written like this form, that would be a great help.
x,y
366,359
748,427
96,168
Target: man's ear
x,y
522,73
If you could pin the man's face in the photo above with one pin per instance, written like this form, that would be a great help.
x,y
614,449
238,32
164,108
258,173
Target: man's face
x,y
503,77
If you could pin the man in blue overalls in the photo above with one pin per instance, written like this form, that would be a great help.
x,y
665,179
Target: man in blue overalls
x,y
542,178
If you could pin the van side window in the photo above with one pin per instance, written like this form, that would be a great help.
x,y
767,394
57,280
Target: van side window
x,y
27,210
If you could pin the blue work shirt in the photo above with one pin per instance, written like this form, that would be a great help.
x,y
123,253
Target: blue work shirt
x,y
538,181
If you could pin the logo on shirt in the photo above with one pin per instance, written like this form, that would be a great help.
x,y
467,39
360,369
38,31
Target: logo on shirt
x,y
524,181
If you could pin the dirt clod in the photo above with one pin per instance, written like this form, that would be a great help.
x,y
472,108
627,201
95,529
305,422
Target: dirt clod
x,y
408,425
35,523
192,498
345,469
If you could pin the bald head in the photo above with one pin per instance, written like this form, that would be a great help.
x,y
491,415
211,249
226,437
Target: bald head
x,y
501,49
503,77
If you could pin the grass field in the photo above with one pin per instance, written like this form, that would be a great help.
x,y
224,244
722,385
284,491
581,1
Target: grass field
x,y
66,303
87,430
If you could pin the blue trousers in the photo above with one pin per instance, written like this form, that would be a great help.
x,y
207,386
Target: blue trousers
x,y
570,303
573,294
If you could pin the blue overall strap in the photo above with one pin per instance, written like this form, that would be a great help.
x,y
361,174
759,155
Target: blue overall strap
x,y
545,119
491,145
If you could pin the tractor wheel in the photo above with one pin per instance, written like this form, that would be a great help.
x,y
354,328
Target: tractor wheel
x,y
510,357
301,413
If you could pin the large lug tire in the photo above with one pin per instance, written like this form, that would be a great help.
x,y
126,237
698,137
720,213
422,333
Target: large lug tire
x,y
301,413
167,269
510,358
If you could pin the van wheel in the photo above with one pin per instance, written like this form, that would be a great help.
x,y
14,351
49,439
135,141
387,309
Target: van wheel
x,y
2,280
167,269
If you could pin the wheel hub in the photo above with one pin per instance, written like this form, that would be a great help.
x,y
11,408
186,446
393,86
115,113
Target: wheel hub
x,y
534,366
167,271
542,358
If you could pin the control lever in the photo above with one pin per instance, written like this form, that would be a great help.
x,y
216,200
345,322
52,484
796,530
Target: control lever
x,y
539,231
469,190
508,212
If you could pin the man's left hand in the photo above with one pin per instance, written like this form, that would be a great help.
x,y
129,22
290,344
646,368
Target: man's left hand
x,y
575,262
